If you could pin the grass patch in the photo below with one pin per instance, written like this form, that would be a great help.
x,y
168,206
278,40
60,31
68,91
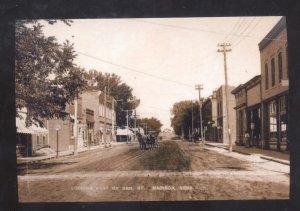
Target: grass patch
x,y
168,156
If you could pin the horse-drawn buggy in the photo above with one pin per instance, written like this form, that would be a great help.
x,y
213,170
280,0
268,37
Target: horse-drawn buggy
x,y
148,141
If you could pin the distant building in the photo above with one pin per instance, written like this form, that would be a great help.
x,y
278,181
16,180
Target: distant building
x,y
209,110
92,115
275,87
225,124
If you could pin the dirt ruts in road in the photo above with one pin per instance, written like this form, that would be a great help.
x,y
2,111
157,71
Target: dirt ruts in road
x,y
175,171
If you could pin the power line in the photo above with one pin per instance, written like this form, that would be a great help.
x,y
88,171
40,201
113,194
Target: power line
x,y
202,30
254,26
245,29
233,29
133,70
153,107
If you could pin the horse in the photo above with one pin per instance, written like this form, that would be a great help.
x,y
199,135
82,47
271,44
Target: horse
x,y
142,141
148,142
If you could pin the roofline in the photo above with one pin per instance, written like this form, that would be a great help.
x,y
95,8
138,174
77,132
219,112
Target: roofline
x,y
237,89
242,86
279,27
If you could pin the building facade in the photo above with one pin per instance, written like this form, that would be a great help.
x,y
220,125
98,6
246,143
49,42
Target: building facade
x,y
261,103
274,84
209,110
248,111
29,138
90,122
226,127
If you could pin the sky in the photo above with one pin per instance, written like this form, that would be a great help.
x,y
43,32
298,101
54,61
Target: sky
x,y
163,59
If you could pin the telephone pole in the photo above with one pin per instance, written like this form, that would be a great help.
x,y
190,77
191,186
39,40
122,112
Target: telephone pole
x,y
105,132
75,131
199,87
127,123
224,48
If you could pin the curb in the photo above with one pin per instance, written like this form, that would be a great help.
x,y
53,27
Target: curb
x,y
21,162
261,156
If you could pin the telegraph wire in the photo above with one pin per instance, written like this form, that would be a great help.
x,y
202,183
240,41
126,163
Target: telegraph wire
x,y
133,70
202,30
244,31
233,30
254,26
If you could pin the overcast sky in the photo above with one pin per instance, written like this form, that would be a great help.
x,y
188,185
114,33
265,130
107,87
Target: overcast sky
x,y
163,59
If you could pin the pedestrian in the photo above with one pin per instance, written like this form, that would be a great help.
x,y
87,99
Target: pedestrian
x,y
247,138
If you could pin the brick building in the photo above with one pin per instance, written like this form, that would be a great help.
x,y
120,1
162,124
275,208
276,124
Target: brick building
x,y
248,111
225,122
209,110
261,103
274,84
90,122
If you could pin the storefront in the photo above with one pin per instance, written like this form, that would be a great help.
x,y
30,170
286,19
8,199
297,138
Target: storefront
x,y
254,125
277,123
29,138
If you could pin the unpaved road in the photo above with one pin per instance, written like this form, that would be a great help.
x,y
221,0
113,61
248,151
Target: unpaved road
x,y
175,171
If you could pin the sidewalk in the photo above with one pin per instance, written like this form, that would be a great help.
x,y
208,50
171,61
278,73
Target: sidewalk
x,y
280,157
22,160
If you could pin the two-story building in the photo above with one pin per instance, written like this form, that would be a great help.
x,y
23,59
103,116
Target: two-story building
x,y
226,127
91,121
275,86
209,110
248,111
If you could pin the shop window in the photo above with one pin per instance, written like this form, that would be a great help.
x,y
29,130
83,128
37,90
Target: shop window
x,y
282,107
273,71
287,62
280,66
283,117
273,124
272,119
283,125
266,76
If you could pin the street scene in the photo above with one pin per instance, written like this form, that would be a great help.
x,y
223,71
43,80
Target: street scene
x,y
161,109
177,170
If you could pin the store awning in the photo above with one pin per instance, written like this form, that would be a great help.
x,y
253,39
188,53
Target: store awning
x,y
33,129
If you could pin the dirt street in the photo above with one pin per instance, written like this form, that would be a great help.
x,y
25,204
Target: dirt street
x,y
175,170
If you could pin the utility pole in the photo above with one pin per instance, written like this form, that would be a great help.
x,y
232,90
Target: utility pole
x,y
135,116
224,48
199,87
75,131
192,117
127,118
127,123
104,137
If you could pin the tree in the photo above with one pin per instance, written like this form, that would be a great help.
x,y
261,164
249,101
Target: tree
x,y
119,90
152,123
182,116
46,77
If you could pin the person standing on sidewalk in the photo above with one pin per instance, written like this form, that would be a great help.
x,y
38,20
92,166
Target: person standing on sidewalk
x,y
247,138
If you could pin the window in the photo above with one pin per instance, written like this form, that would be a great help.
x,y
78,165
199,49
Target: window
x,y
287,62
38,140
282,107
273,124
44,139
273,71
272,119
266,76
280,66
